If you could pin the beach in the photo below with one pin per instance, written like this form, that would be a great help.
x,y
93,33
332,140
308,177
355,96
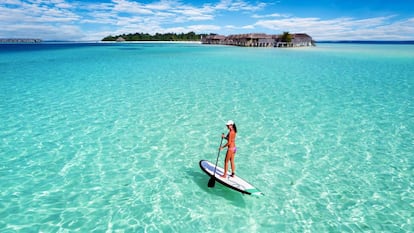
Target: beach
x,y
107,137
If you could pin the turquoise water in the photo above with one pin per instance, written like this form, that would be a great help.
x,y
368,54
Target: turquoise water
x,y
107,137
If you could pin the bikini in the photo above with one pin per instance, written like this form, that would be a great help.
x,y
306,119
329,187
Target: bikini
x,y
231,148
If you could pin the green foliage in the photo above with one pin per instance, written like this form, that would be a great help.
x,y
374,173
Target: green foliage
x,y
286,37
191,36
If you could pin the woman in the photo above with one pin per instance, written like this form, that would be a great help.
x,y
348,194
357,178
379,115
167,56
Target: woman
x,y
231,148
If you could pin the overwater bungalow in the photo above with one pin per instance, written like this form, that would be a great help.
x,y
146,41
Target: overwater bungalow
x,y
297,40
213,39
250,40
259,40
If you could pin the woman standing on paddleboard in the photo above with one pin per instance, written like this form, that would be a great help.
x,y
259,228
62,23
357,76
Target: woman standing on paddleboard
x,y
231,148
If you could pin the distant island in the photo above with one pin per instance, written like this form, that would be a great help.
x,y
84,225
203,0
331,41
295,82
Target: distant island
x,y
19,40
246,40
367,41
191,36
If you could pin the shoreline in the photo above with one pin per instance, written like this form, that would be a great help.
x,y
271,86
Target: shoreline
x,y
151,42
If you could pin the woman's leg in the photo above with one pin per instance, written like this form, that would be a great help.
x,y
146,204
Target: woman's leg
x,y
233,165
226,163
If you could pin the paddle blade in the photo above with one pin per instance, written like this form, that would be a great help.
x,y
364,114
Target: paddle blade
x,y
211,182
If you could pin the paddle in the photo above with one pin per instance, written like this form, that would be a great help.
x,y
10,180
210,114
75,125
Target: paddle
x,y
212,180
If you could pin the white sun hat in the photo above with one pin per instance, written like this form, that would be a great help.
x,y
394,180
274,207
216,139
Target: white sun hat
x,y
230,122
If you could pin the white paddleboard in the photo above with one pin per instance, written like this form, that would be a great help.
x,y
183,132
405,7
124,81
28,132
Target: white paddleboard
x,y
235,182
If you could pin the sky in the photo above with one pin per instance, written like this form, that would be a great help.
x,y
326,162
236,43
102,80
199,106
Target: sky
x,y
85,20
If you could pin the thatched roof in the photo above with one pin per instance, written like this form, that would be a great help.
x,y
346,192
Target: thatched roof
x,y
301,36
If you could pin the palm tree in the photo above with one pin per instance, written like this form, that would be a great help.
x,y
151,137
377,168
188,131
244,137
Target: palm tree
x,y
286,37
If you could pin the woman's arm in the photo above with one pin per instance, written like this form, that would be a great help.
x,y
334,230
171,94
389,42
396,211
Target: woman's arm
x,y
225,145
230,140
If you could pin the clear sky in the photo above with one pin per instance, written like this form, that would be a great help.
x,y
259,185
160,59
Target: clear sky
x,y
94,19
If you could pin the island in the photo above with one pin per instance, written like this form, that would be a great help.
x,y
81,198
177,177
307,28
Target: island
x,y
245,40
191,36
19,40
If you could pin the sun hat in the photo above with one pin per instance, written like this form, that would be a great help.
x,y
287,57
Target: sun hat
x,y
230,122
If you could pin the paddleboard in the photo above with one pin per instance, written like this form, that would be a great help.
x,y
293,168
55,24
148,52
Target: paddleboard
x,y
235,182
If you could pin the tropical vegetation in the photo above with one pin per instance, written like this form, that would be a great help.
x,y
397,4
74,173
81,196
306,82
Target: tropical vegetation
x,y
190,36
286,37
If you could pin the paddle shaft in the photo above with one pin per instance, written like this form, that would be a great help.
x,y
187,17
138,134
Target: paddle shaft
x,y
218,155
212,180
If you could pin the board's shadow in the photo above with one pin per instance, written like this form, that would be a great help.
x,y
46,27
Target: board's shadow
x,y
234,197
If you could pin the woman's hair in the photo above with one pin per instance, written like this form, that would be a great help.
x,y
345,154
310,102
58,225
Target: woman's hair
x,y
235,128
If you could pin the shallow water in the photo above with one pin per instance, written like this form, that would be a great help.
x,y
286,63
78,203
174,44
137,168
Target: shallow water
x,y
107,137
